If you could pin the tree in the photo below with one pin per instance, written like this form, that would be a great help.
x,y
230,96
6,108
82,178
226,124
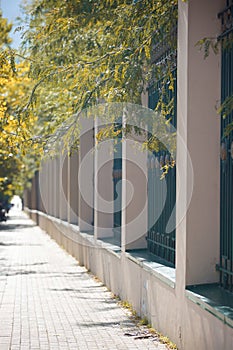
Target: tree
x,y
83,51
5,28
16,145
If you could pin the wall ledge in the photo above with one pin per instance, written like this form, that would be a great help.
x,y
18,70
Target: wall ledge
x,y
213,300
164,273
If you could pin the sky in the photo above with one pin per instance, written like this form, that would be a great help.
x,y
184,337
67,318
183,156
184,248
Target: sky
x,y
11,10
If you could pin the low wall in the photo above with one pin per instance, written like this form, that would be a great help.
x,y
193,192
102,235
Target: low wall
x,y
148,287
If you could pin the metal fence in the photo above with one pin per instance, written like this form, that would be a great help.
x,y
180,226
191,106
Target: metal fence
x,y
161,202
226,208
162,192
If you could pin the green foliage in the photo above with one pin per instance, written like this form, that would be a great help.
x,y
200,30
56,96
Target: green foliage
x,y
215,45
86,51
226,107
144,321
207,44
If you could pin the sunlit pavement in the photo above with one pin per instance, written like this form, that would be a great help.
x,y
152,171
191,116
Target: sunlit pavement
x,y
48,301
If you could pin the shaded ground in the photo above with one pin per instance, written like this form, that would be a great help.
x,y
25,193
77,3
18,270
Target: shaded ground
x,y
47,301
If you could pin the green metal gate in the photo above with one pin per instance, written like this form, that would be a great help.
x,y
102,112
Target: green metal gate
x,y
161,193
226,196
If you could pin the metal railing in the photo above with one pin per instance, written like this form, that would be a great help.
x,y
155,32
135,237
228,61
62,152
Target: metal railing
x,y
161,202
162,192
225,265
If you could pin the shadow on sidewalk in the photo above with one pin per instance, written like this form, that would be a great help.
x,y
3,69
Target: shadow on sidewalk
x,y
7,226
9,244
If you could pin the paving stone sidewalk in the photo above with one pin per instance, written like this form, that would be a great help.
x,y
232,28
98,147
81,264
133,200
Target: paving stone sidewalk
x,y
48,301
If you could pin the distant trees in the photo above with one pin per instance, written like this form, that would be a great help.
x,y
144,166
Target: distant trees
x,y
16,145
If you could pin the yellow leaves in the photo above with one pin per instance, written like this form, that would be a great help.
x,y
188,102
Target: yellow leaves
x,y
108,132
2,179
3,109
171,87
120,73
147,51
5,72
165,169
16,128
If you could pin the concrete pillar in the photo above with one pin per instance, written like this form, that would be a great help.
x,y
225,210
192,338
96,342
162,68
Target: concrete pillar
x,y
86,175
43,186
50,186
144,98
53,186
197,235
64,187
37,190
33,194
104,208
68,188
41,200
73,188
47,186
134,195
29,198
25,197
57,186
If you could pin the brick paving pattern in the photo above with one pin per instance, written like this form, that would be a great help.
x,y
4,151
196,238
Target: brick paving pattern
x,y
48,301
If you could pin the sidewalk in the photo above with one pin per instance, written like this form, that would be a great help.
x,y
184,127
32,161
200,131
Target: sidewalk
x,y
47,301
